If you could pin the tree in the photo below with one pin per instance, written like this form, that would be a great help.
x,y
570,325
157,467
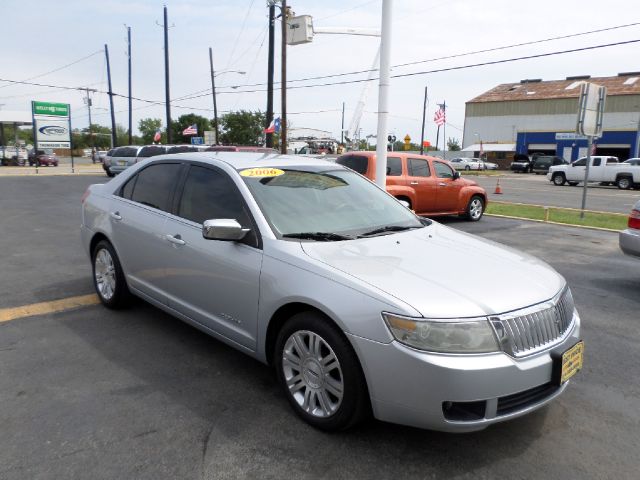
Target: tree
x,y
453,145
184,121
242,128
148,128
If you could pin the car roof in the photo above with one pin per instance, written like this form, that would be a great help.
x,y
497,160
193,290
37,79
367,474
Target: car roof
x,y
242,160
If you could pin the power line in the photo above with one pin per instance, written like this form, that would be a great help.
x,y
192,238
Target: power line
x,y
446,57
403,75
59,68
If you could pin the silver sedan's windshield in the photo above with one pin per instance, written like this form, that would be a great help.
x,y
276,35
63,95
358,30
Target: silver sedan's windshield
x,y
326,205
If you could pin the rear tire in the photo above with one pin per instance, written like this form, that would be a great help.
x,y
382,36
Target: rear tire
x,y
624,183
572,184
558,179
320,373
475,208
108,276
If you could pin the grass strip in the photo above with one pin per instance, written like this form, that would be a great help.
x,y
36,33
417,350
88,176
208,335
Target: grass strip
x,y
488,173
610,221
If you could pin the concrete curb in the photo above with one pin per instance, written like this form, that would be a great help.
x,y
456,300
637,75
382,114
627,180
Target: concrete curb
x,y
554,223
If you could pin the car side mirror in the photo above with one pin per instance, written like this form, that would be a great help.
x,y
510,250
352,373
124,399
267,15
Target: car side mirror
x,y
456,175
223,229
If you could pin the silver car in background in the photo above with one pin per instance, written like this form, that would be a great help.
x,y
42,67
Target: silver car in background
x,y
354,300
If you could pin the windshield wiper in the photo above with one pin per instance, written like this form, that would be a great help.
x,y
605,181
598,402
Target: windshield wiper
x,y
320,236
388,228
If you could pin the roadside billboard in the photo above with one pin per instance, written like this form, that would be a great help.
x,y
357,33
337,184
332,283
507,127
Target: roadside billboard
x,y
51,124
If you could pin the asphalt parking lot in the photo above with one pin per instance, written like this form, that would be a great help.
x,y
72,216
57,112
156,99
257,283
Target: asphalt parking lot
x,y
92,393
537,190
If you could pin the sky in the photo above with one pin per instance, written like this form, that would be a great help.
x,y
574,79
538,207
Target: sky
x,y
49,35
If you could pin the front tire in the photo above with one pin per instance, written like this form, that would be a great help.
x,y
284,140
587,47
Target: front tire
x,y
475,208
108,277
558,179
320,373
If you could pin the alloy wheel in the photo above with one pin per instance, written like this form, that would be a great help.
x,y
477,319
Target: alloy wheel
x,y
313,374
105,274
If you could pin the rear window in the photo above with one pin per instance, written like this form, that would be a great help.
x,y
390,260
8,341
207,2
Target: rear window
x,y
221,149
154,185
151,151
125,152
357,163
182,149
543,161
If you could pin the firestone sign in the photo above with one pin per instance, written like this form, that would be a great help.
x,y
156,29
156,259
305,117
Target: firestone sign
x,y
52,128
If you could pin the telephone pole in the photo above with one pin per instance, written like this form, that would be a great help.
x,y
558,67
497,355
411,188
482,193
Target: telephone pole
x,y
213,91
113,116
166,75
130,109
283,114
87,100
424,112
269,116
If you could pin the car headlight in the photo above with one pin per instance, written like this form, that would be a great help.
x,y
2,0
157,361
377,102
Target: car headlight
x,y
443,336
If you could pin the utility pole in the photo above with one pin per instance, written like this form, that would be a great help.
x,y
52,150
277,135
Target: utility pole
x,y
113,116
166,75
130,109
213,91
444,129
383,93
424,112
272,24
88,102
342,127
283,114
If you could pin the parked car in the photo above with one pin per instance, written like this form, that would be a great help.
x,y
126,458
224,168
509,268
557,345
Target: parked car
x,y
489,165
43,158
629,239
14,157
355,301
632,161
602,169
429,185
101,155
106,163
542,164
240,148
521,163
466,163
122,158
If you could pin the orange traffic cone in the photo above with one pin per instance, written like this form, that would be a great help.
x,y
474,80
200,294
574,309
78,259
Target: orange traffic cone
x,y
498,189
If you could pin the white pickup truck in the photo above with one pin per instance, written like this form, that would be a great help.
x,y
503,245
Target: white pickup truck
x,y
603,169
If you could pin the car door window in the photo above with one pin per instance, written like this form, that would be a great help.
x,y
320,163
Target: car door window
x,y
210,194
581,162
394,167
442,170
154,185
596,162
419,168
127,188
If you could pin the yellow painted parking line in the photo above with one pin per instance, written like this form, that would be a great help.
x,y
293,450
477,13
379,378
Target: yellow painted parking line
x,y
42,308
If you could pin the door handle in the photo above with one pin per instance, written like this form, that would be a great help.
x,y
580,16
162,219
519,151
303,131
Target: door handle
x,y
442,184
175,239
115,215
415,183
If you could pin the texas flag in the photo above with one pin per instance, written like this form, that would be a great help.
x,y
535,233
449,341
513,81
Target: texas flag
x,y
157,136
274,127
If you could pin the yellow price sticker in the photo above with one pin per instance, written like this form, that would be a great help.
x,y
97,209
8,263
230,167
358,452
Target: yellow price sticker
x,y
262,172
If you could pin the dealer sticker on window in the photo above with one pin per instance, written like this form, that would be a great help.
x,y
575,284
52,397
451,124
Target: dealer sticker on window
x,y
262,172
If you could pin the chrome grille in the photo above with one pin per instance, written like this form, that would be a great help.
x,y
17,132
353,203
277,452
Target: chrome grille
x,y
533,329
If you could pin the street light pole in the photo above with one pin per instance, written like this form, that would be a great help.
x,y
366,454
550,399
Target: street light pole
x,y
166,76
383,93
283,81
270,63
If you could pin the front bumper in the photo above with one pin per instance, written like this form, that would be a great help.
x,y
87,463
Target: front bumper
x,y
415,388
629,240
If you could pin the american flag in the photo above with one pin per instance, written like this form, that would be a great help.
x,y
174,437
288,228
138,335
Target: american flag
x,y
191,130
440,117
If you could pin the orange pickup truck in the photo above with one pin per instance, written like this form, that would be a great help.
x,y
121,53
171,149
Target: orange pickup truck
x,y
429,185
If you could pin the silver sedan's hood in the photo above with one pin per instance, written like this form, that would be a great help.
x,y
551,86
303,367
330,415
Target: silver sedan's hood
x,y
443,273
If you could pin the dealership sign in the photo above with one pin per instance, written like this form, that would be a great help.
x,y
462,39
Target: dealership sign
x,y
51,125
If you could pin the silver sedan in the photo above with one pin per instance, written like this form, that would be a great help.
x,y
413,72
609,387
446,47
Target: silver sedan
x,y
355,301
